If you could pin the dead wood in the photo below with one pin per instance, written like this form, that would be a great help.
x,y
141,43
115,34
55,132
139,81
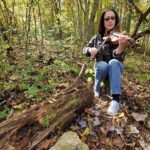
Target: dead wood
x,y
77,80
59,113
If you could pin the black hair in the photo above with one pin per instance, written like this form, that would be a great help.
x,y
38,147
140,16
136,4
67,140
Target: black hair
x,y
101,28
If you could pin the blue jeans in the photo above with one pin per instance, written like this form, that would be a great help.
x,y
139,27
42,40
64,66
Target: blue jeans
x,y
113,69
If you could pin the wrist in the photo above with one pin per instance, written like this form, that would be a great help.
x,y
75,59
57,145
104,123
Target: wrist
x,y
119,50
116,55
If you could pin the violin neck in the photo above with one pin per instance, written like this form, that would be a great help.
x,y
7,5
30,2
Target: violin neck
x,y
115,34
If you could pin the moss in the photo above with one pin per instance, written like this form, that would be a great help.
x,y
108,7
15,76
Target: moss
x,y
51,116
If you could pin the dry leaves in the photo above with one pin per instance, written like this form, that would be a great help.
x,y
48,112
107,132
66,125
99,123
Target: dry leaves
x,y
139,117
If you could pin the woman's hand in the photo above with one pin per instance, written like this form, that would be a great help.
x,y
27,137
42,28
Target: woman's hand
x,y
93,51
123,42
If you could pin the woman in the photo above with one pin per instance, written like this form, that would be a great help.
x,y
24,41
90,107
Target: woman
x,y
109,59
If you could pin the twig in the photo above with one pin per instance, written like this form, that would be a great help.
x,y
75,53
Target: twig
x,y
77,80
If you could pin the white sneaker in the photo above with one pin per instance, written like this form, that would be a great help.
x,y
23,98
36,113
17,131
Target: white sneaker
x,y
113,108
96,95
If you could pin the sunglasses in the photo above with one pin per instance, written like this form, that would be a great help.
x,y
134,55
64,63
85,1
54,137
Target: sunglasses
x,y
108,18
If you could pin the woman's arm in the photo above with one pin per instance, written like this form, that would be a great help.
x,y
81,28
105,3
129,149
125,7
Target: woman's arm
x,y
89,49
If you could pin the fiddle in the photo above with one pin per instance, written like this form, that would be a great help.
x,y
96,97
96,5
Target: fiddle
x,y
114,38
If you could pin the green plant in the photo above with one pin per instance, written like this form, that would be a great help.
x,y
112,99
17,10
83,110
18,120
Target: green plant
x,y
61,65
8,86
4,112
45,121
23,86
89,75
32,92
74,70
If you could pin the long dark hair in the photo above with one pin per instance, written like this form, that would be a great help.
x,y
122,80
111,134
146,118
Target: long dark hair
x,y
101,28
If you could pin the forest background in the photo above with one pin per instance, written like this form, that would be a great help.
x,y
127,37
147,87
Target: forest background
x,y
41,43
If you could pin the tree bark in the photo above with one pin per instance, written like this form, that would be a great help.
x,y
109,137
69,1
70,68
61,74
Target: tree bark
x,y
86,16
80,24
59,113
41,24
92,17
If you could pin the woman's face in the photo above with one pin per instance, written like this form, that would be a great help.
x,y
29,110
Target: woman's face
x,y
109,20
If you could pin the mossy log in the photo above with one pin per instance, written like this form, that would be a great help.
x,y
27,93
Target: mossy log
x,y
59,113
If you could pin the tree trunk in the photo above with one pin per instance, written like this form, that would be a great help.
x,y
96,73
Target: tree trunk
x,y
92,17
86,16
59,113
28,24
80,24
41,25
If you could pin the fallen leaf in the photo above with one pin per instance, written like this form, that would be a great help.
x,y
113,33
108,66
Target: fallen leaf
x,y
104,130
119,131
52,100
139,117
133,130
44,144
144,145
13,77
121,115
65,84
20,106
118,142
148,124
74,127
97,113
82,123
86,131
96,121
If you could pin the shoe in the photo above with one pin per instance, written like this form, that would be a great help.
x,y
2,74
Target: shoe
x,y
113,108
96,95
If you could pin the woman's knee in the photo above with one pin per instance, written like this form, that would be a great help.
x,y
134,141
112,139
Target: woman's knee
x,y
114,62
101,65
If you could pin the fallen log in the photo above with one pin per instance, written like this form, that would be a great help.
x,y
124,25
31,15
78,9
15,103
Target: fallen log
x,y
59,113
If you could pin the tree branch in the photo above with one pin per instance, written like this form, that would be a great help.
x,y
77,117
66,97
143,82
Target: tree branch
x,y
142,17
77,80
136,9
141,34
81,6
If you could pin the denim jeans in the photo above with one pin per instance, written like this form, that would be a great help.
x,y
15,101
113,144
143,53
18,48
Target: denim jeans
x,y
113,69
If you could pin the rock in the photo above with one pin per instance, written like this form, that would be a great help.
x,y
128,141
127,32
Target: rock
x,y
69,141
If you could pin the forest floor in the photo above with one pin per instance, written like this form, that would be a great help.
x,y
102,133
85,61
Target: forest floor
x,y
130,129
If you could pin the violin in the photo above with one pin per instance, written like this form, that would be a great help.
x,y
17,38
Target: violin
x,y
114,38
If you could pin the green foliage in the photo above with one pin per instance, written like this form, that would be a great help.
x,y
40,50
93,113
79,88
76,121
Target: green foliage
x,y
56,44
23,86
89,75
8,86
48,87
4,112
135,64
74,70
132,64
32,92
61,65
143,76
45,121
